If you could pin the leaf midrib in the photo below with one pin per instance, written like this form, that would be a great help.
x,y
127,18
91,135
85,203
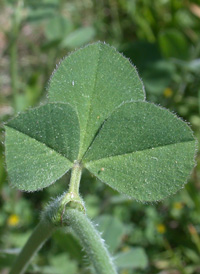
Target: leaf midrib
x,y
80,155
129,153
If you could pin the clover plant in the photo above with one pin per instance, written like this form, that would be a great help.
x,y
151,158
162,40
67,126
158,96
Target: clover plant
x,y
96,118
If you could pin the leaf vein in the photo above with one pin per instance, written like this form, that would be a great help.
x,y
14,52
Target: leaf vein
x,y
129,153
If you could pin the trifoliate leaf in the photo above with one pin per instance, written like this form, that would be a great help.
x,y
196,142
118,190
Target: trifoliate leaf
x,y
100,119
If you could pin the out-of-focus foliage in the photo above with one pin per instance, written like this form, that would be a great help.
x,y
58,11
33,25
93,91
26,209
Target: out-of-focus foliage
x,y
162,38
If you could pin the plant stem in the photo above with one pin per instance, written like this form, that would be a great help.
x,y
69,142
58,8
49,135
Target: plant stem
x,y
75,178
41,233
85,230
91,241
72,196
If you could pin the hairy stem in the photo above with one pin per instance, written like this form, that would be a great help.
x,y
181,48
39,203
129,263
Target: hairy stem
x,y
72,197
75,178
85,230
41,233
91,241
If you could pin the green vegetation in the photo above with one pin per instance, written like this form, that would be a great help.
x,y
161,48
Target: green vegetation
x,y
164,46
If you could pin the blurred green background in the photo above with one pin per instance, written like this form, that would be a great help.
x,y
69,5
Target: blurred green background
x,y
162,39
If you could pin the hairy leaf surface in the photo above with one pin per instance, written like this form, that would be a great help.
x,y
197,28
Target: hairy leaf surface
x,y
94,80
97,115
41,145
143,151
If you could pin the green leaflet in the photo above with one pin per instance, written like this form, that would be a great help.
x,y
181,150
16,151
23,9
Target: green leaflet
x,y
41,145
94,80
143,151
